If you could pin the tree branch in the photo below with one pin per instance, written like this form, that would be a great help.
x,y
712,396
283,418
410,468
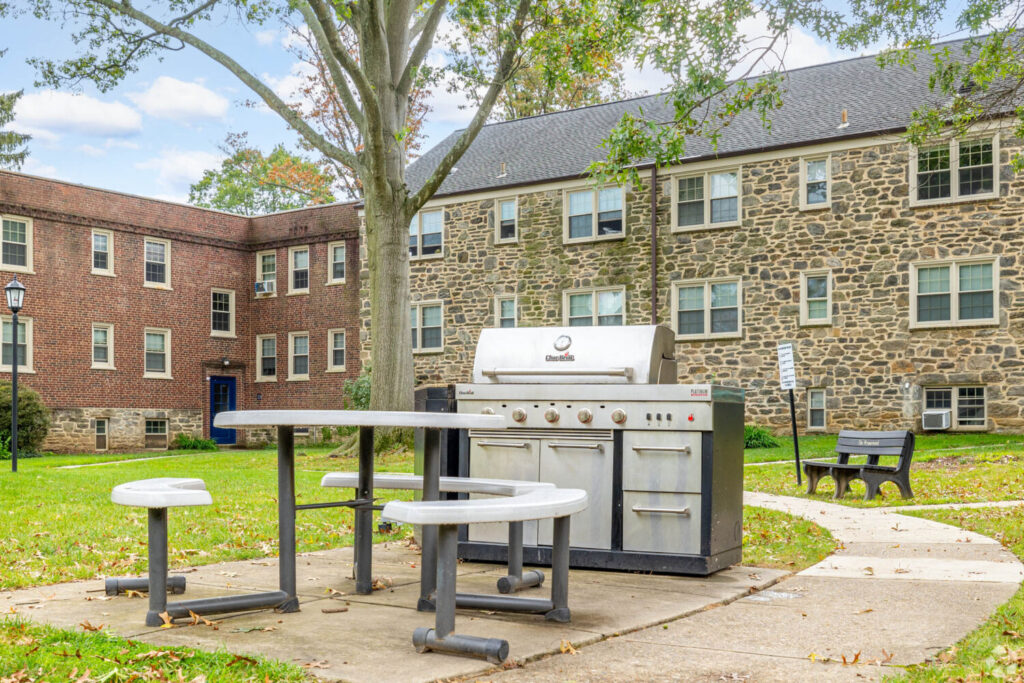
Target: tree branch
x,y
419,52
325,48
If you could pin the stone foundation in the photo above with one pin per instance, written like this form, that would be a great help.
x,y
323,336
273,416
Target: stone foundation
x,y
73,430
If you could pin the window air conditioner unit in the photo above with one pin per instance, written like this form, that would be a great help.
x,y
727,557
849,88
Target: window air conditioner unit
x,y
265,287
935,419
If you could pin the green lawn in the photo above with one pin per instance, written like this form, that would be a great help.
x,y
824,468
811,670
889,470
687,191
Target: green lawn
x,y
927,446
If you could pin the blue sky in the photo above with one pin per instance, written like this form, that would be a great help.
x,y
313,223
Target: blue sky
x,y
155,133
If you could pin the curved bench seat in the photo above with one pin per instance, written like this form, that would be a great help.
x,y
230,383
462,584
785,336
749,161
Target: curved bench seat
x,y
162,492
414,482
534,504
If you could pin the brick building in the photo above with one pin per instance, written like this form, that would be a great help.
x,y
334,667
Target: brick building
x,y
142,320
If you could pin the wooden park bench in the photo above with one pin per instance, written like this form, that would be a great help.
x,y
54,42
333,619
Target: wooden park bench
x,y
874,445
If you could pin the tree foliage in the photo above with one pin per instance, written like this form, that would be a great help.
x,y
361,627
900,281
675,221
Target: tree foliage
x,y
33,418
12,145
251,183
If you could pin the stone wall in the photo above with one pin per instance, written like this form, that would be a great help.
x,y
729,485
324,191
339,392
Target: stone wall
x,y
73,430
871,364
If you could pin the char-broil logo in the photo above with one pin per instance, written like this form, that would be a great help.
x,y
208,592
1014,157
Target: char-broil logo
x,y
562,345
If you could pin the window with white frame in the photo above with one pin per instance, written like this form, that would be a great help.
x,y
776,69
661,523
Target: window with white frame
x,y
954,293
102,252
24,342
266,273
102,346
426,234
336,350
505,311
955,170
706,200
594,214
966,405
507,224
427,330
708,309
158,263
298,355
16,244
816,298
815,183
298,266
594,307
156,434
336,263
157,353
102,430
815,409
222,312
266,353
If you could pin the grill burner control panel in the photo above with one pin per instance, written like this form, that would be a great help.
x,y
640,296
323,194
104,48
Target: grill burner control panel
x,y
667,415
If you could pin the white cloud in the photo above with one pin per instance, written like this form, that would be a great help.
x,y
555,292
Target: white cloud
x,y
33,166
91,151
177,169
60,112
169,98
287,87
265,37
123,144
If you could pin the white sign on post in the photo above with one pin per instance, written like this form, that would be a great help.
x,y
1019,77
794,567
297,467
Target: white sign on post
x,y
787,372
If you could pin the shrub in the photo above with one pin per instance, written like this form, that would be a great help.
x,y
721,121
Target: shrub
x,y
755,436
33,419
187,442
357,392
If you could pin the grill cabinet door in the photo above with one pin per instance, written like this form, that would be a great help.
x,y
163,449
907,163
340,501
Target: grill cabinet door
x,y
503,458
661,522
661,461
581,464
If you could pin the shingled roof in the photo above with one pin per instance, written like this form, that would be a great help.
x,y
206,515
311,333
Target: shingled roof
x,y
563,144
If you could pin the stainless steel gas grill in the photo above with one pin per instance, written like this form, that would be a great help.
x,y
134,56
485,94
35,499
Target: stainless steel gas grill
x,y
599,408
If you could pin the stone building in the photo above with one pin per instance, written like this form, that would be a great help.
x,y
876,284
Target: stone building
x,y
895,271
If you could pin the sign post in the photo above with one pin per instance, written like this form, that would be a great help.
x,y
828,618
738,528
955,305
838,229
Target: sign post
x,y
787,380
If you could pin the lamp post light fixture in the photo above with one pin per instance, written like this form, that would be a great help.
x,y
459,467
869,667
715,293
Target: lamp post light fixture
x,y
15,292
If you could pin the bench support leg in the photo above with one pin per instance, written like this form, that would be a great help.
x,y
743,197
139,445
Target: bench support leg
x,y
364,515
442,638
813,477
157,566
429,534
560,571
517,580
286,517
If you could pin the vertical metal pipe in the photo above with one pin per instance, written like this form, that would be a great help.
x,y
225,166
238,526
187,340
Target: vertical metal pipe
x,y
515,549
796,439
14,391
447,545
431,491
654,245
157,566
286,514
364,514
560,571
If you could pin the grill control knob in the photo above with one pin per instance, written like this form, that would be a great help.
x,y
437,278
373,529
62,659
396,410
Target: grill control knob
x,y
488,411
618,416
551,415
585,416
519,415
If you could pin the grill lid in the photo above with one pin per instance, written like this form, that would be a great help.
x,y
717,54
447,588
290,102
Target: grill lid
x,y
631,354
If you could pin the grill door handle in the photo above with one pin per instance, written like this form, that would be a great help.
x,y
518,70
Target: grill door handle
x,y
663,449
505,444
685,512
560,372
599,447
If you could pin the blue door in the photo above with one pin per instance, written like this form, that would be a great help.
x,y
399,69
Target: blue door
x,y
222,397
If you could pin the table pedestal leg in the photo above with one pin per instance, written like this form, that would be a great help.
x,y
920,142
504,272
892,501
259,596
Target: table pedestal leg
x,y
286,516
431,491
364,515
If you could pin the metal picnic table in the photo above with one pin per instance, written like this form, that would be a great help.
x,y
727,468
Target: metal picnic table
x,y
285,421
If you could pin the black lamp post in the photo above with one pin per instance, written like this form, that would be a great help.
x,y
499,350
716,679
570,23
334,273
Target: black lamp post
x,y
15,292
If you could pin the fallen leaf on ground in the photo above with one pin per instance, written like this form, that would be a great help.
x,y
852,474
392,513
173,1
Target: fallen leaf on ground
x,y
135,594
381,583
334,610
89,627
241,658
856,658
568,649
322,664
865,611
870,571
254,629
888,656
196,618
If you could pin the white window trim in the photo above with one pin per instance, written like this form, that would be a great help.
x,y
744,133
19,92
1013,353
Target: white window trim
x,y
166,433
25,365
497,220
824,410
954,290
708,335
419,305
331,280
106,434
331,367
230,333
167,264
259,272
708,225
954,167
109,270
29,240
291,357
593,291
805,319
954,423
109,365
804,206
291,267
514,298
167,352
259,358
594,237
419,235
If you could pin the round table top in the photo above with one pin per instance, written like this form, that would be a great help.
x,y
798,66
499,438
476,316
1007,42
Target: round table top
x,y
253,419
